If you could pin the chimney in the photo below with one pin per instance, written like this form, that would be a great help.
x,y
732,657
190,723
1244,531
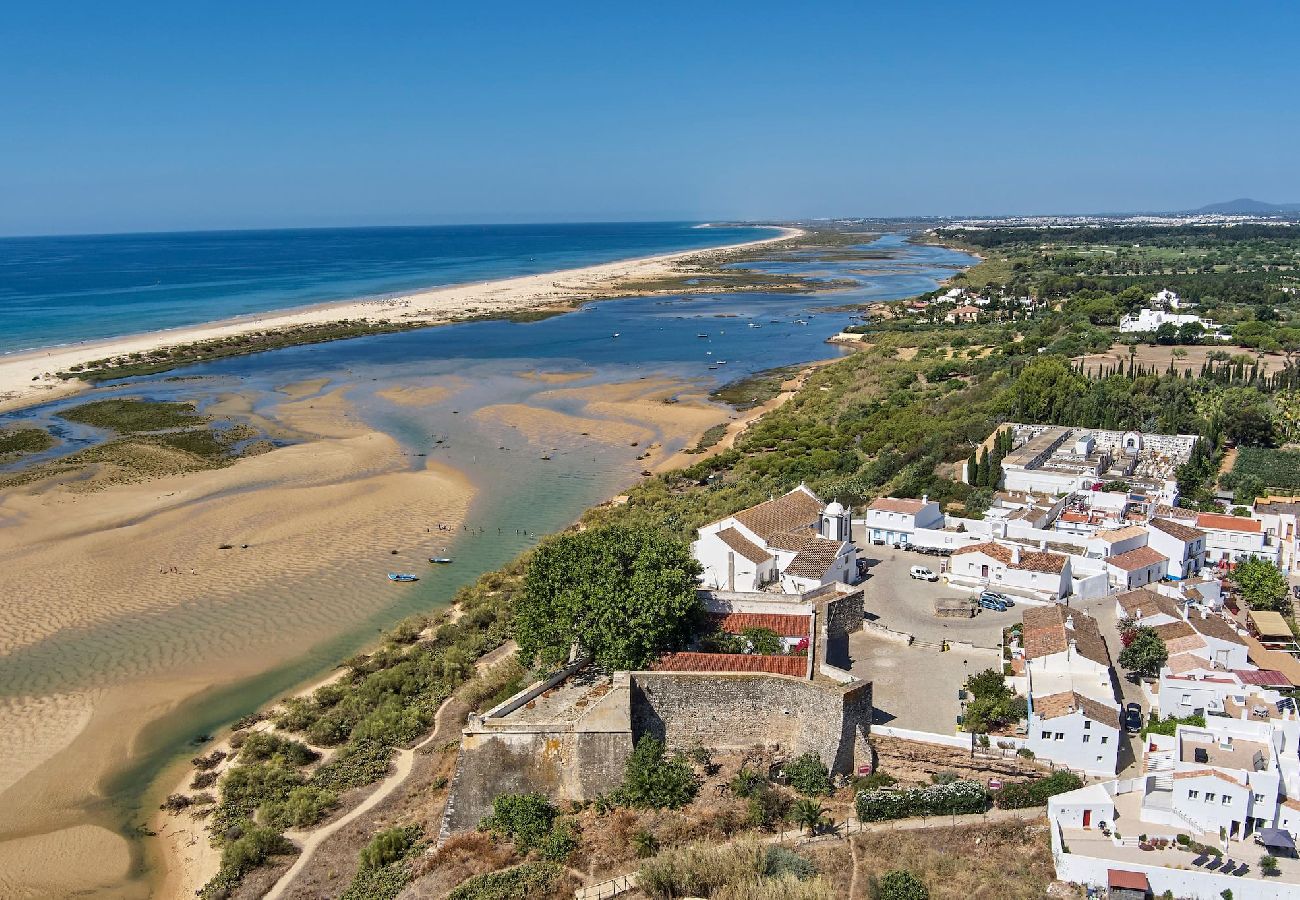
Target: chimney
x,y
925,498
1015,554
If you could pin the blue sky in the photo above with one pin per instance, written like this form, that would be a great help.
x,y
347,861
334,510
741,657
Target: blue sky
x,y
139,116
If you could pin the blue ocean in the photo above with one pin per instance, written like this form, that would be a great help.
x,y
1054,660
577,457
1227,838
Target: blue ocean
x,y
59,290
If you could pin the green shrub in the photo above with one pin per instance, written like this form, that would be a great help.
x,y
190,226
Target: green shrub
x,y
899,885
523,882
245,788
747,782
559,843
389,846
646,844
525,819
264,745
653,781
779,861
304,807
765,807
808,775
253,847
1022,794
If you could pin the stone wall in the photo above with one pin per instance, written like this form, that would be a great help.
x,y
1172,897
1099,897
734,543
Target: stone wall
x,y
563,765
840,617
744,710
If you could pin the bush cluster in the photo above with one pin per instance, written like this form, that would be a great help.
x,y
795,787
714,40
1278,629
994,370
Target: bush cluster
x,y
653,780
1022,794
939,799
808,775
523,882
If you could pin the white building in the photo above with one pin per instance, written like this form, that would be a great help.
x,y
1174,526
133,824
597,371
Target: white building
x,y
1221,785
891,520
1181,544
1281,521
1192,686
1230,539
790,544
1074,715
1135,568
1151,319
1009,567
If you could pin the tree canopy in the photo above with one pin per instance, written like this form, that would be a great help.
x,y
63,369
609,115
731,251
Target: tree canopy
x,y
1261,583
1145,652
623,595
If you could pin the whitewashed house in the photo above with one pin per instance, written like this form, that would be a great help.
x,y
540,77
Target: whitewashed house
x,y
1146,607
789,544
1074,717
1137,567
894,520
1041,574
1230,539
1182,545
1116,541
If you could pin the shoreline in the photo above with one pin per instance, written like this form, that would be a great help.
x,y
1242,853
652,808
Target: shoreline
x,y
30,377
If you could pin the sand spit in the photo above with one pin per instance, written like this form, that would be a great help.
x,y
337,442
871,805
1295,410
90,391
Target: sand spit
x,y
30,377
125,595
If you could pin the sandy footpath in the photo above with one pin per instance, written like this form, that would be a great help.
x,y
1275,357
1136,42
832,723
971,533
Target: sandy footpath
x,y
122,580
30,377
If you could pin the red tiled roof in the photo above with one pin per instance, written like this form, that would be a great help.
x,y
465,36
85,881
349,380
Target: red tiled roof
x,y
1199,773
1262,677
1227,523
1147,603
784,625
732,662
814,559
1137,559
1122,879
1044,633
1068,702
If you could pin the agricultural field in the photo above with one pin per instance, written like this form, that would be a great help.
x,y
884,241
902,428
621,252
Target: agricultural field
x,y
1275,469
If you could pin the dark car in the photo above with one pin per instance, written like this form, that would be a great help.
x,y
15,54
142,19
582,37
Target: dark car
x,y
1133,718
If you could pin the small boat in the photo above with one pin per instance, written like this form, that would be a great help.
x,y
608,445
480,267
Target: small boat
x,y
440,560
616,334
702,334
402,576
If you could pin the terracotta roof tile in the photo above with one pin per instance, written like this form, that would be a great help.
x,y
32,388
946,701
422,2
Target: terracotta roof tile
x,y
815,559
1227,523
1177,529
1114,535
732,662
1262,677
796,512
1148,603
1215,627
784,625
743,545
1137,559
1030,560
1045,633
1066,703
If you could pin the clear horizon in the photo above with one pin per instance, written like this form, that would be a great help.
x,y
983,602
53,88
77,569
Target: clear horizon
x,y
148,117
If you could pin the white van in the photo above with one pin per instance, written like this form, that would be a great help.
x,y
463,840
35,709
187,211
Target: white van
x,y
921,573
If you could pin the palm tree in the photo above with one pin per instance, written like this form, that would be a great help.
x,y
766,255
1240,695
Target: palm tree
x,y
807,813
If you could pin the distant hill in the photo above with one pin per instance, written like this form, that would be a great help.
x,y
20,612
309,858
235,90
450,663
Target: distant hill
x,y
1245,207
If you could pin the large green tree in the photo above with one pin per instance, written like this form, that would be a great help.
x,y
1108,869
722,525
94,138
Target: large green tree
x,y
1262,584
623,595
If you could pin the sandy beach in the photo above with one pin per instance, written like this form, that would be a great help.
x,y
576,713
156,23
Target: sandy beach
x,y
138,567
31,377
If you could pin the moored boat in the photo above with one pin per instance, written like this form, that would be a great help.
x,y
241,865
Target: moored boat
x,y
402,576
440,560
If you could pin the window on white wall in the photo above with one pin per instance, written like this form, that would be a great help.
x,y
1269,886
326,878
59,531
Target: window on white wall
x,y
1192,795
1060,735
1226,799
1209,797
1085,738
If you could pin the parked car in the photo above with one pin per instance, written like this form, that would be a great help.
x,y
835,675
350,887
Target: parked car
x,y
921,573
994,595
992,602
1133,718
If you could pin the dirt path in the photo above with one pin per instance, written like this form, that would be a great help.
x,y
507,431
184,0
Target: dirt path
x,y
404,762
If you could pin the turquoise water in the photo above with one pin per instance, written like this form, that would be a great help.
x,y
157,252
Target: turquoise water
x,y
59,290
